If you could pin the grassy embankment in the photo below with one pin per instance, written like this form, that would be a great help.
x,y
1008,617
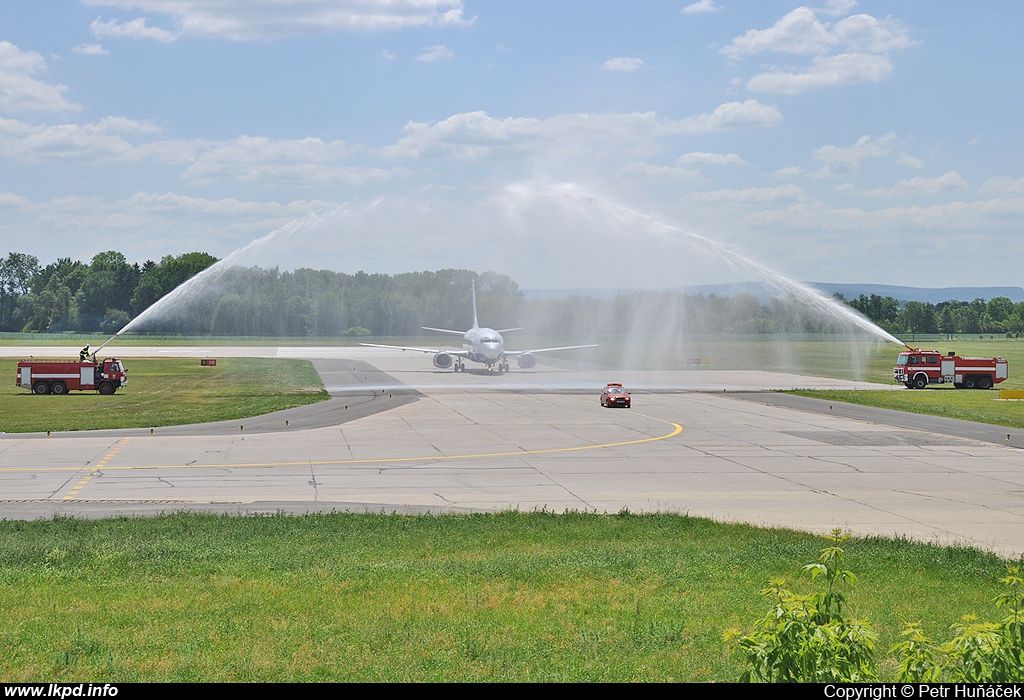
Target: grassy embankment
x,y
165,391
510,596
943,399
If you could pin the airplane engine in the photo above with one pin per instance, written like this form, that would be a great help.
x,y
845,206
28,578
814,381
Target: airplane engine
x,y
527,360
442,360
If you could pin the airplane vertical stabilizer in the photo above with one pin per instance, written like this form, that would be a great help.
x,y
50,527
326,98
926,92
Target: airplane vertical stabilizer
x,y
476,324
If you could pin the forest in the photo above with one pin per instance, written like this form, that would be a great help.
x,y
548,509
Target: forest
x,y
107,292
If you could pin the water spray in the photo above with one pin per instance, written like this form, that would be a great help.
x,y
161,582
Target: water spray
x,y
813,297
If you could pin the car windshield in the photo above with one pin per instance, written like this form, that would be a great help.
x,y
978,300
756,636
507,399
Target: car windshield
x,y
902,361
616,390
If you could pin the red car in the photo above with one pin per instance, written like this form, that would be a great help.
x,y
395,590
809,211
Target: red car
x,y
615,395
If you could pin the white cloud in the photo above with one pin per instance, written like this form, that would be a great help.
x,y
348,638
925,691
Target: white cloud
x,y
851,51
842,160
701,7
90,50
753,194
825,71
788,172
287,162
734,115
387,55
658,172
476,135
246,20
12,201
798,32
702,158
909,161
435,53
914,186
133,29
1012,187
19,91
623,64
110,139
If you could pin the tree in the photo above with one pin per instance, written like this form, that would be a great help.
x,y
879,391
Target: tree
x,y
16,273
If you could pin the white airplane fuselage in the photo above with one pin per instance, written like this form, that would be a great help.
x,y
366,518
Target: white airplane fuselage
x,y
484,345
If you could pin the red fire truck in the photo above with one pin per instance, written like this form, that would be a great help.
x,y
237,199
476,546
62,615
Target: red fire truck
x,y
61,376
917,368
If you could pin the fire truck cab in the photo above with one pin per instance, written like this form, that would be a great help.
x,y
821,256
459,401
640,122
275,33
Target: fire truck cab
x,y
917,368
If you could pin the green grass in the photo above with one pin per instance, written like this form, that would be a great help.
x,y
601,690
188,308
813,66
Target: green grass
x,y
503,597
165,391
943,399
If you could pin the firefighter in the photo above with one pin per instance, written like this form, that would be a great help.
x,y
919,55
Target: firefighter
x,y
84,353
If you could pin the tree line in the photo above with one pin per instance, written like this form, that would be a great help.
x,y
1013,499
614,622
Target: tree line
x,y
108,292
998,315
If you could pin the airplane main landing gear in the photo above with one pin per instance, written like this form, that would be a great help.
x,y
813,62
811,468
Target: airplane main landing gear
x,y
459,367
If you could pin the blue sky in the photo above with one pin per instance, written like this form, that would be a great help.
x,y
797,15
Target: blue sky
x,y
840,141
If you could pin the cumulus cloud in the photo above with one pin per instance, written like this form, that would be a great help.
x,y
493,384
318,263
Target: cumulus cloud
x,y
477,135
824,71
851,51
109,139
753,194
1003,186
623,64
244,20
909,161
133,29
702,158
913,186
90,50
788,172
659,172
701,7
735,115
836,159
284,162
435,53
20,91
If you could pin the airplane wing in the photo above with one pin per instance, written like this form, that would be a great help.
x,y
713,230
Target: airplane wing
x,y
434,351
516,353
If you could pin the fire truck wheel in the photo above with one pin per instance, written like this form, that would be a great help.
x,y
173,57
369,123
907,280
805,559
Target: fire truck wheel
x,y
58,388
920,382
970,382
41,388
984,382
106,388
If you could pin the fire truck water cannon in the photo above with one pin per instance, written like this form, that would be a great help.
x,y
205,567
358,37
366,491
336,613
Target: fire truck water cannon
x,y
88,373
917,368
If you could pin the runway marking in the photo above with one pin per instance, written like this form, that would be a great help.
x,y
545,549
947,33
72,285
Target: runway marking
x,y
92,472
383,460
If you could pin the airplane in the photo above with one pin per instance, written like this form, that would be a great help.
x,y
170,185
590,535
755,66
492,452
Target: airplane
x,y
483,345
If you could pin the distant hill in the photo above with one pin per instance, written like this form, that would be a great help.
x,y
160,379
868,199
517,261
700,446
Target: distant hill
x,y
849,291
925,294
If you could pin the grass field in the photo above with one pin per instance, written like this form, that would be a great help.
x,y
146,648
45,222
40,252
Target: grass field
x,y
165,391
509,596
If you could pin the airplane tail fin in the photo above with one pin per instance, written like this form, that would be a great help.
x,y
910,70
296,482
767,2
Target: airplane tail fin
x,y
476,324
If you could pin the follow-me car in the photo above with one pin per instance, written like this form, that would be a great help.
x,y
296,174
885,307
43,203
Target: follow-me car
x,y
615,395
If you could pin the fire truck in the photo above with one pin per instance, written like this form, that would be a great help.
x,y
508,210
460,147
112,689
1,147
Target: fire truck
x,y
917,368
61,376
